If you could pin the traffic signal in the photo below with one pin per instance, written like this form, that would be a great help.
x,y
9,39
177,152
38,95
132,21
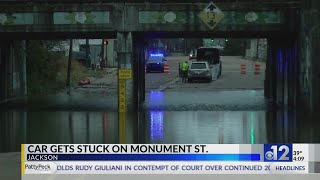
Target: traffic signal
x,y
105,42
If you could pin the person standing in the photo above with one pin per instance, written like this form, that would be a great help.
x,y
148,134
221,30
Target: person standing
x,y
184,70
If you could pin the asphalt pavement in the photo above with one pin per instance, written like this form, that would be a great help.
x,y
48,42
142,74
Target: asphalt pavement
x,y
231,78
158,81
233,91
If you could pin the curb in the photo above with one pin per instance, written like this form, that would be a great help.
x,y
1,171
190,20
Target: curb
x,y
168,84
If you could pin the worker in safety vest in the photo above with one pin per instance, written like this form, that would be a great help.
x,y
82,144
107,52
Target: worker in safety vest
x,y
184,70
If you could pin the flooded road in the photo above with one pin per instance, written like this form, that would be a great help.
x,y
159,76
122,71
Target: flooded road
x,y
232,109
181,127
206,100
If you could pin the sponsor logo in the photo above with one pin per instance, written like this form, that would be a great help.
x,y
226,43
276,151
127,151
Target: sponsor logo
x,y
38,167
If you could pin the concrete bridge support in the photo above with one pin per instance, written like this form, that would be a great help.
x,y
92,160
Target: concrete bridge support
x,y
309,67
125,61
281,72
13,70
111,54
293,76
139,46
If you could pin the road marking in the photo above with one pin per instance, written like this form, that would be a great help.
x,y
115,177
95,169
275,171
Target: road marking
x,y
169,84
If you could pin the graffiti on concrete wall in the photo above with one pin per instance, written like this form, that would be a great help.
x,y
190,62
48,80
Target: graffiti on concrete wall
x,y
235,17
16,18
231,17
81,17
164,17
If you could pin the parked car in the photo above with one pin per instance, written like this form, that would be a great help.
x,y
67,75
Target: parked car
x,y
193,54
199,71
212,56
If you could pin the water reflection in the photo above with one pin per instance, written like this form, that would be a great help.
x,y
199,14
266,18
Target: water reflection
x,y
156,117
156,125
56,127
207,127
248,127
293,127
156,98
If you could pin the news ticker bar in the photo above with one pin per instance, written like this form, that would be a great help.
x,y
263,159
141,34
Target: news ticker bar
x,y
170,158
143,157
130,167
171,152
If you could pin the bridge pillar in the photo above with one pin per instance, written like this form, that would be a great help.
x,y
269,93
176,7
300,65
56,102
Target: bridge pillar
x,y
309,74
13,70
281,72
139,70
125,58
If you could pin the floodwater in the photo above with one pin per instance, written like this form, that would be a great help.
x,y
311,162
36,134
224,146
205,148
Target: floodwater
x,y
168,118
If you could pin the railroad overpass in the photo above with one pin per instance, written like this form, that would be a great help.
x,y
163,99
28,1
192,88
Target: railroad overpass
x,y
55,19
290,26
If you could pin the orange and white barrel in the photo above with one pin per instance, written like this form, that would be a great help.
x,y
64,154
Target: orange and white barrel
x,y
166,68
257,69
243,69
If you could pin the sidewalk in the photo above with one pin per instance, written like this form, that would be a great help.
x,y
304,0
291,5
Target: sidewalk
x,y
108,78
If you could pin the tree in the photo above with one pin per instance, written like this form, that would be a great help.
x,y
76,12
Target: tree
x,y
234,47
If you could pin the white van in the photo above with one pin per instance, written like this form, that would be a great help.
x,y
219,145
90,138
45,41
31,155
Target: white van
x,y
193,54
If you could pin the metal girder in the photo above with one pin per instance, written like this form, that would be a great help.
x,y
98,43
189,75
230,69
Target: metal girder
x,y
146,17
234,3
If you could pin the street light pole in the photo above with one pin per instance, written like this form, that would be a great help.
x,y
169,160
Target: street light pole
x,y
69,65
257,55
87,53
102,55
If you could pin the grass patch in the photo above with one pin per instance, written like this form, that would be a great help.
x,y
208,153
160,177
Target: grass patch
x,y
53,77
96,74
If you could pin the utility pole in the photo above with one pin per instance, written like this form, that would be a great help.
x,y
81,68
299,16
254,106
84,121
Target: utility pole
x,y
106,53
102,54
88,53
185,46
257,56
69,65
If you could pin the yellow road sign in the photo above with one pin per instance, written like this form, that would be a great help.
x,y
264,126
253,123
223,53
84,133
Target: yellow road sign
x,y
211,15
122,95
122,128
125,74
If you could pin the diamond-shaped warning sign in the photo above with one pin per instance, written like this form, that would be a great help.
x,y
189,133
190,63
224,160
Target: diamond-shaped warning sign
x,y
211,15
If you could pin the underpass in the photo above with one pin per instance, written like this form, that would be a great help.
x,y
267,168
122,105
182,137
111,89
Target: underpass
x,y
233,109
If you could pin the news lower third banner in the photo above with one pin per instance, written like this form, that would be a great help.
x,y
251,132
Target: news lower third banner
x,y
169,158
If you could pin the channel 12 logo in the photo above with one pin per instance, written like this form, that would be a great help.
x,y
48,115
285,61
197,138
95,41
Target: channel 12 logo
x,y
278,152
